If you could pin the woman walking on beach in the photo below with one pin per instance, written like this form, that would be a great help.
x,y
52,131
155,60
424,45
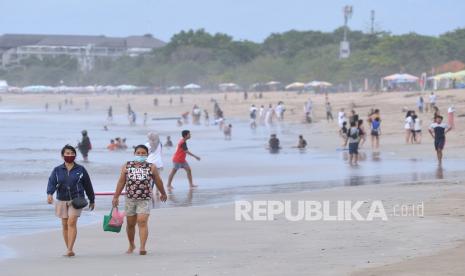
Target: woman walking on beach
x,y
137,176
70,181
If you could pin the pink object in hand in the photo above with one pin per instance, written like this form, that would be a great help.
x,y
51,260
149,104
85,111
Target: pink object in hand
x,y
117,218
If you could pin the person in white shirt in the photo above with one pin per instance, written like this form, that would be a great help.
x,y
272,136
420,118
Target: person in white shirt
x,y
432,100
155,150
341,117
408,126
279,111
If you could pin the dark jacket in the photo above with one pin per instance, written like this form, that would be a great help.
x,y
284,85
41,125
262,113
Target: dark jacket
x,y
77,180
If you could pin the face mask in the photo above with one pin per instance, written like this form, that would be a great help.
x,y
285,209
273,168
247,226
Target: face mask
x,y
141,159
69,159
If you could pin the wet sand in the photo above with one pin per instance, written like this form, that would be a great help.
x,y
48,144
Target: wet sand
x,y
271,248
211,242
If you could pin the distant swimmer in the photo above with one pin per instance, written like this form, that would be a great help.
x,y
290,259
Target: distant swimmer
x,y
274,144
179,159
112,146
302,144
168,142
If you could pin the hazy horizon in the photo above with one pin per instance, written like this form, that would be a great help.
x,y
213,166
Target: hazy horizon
x,y
241,19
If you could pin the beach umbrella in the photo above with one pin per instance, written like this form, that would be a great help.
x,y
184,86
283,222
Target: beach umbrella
x,y
126,87
295,85
174,88
325,83
459,74
228,86
401,78
38,89
270,83
192,86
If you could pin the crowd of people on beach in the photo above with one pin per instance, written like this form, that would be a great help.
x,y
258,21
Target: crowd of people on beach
x,y
139,177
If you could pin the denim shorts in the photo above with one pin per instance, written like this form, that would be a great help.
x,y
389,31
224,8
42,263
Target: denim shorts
x,y
353,148
182,165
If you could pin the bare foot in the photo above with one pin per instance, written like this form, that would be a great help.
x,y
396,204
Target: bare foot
x,y
69,254
143,252
131,249
170,187
192,186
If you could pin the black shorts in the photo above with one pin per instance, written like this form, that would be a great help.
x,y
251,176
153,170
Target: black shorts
x,y
439,143
374,133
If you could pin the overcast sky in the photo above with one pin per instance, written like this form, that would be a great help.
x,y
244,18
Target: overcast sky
x,y
243,19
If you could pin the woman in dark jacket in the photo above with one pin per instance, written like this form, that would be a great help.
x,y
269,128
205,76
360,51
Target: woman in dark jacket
x,y
70,181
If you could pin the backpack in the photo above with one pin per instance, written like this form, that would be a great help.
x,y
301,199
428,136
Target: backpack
x,y
375,125
353,135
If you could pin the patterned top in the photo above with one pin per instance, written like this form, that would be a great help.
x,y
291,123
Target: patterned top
x,y
138,180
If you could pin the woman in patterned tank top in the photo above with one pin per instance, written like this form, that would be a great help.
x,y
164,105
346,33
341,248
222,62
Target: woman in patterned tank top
x,y
137,176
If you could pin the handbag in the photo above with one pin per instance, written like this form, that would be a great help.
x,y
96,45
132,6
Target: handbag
x,y
106,223
78,202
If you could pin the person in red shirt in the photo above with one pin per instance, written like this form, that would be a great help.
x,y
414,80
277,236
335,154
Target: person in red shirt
x,y
179,159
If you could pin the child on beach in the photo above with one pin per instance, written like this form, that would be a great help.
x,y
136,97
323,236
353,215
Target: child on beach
x,y
302,144
227,131
353,139
375,133
179,159
438,131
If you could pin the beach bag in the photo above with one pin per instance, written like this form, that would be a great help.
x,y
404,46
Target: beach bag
x,y
353,134
106,223
117,218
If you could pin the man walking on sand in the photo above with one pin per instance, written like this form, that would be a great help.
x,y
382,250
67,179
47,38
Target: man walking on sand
x,y
179,159
438,130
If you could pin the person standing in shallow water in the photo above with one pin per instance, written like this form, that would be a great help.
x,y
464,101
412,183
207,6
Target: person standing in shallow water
x,y
69,180
85,146
137,177
179,159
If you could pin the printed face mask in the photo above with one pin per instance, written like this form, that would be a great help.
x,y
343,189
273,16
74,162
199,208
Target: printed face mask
x,y
141,159
69,159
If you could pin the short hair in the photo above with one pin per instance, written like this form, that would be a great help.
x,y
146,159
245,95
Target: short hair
x,y
68,147
141,147
184,133
439,117
352,124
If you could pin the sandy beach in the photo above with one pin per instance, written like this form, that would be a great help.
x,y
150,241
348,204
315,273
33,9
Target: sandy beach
x,y
205,239
208,241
